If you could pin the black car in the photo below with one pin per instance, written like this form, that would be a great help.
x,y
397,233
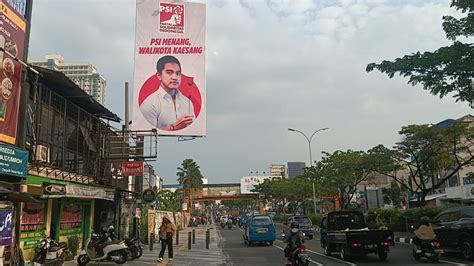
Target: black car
x,y
304,223
455,230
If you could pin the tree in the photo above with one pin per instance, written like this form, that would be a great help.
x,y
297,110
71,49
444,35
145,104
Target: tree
x,y
426,157
169,201
339,173
393,195
189,175
446,70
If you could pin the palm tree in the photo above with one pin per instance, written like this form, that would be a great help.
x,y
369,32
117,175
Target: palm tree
x,y
190,177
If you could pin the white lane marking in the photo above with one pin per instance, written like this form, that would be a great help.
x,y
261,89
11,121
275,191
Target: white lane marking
x,y
445,261
330,257
315,262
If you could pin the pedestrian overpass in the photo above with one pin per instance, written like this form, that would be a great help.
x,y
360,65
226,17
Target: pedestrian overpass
x,y
229,191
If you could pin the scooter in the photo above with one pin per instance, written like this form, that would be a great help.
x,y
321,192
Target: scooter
x,y
50,253
98,249
429,249
133,244
229,224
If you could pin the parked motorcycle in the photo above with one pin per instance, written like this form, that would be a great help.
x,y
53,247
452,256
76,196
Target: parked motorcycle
x,y
133,243
134,247
229,224
50,253
99,249
429,249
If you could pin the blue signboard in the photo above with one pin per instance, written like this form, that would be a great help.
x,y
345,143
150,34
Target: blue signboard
x,y
13,161
6,227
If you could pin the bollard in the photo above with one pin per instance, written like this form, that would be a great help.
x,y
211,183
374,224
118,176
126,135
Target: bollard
x,y
152,238
189,240
194,237
177,237
207,239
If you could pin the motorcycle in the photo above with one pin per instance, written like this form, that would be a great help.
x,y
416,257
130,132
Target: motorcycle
x,y
50,253
134,247
99,249
229,224
299,257
429,249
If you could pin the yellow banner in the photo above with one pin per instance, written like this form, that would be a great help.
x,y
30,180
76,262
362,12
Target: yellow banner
x,y
12,16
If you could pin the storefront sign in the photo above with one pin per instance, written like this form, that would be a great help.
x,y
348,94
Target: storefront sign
x,y
12,40
73,191
6,227
32,218
132,168
53,190
13,161
149,195
71,216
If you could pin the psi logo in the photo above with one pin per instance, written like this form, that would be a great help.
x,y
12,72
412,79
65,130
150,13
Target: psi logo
x,y
171,18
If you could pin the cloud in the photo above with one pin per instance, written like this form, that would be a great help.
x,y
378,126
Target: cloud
x,y
271,65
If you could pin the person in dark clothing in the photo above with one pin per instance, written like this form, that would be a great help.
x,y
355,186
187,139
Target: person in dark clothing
x,y
167,231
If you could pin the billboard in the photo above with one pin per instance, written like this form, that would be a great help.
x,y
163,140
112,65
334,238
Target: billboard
x,y
169,74
13,161
247,183
12,39
132,168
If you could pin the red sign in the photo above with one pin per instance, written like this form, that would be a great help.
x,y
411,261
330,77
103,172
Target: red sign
x,y
132,168
12,40
171,18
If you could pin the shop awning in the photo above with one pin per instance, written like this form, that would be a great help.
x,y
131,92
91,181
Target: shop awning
x,y
6,194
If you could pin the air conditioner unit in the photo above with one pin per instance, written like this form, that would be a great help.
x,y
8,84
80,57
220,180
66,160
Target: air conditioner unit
x,y
42,153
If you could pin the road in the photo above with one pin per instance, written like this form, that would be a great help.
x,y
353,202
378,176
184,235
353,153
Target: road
x,y
240,254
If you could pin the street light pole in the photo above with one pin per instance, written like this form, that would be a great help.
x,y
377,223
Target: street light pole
x,y
310,156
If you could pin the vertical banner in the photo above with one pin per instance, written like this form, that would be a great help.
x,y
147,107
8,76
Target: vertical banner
x,y
12,39
170,74
6,227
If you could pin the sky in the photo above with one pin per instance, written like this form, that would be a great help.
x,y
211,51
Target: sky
x,y
271,65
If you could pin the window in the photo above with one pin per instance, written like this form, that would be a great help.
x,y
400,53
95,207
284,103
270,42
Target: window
x,y
443,217
262,221
467,213
454,216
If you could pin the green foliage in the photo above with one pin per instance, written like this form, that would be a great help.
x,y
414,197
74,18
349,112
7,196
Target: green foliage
x,y
189,175
397,219
339,173
144,223
446,70
73,244
393,195
169,201
426,157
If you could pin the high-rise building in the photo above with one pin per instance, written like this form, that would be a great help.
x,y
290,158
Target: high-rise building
x,y
295,169
84,75
277,170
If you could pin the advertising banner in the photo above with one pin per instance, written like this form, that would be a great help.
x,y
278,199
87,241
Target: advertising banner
x,y
6,227
169,74
132,168
13,161
247,183
12,39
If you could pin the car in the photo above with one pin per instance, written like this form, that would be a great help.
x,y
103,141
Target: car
x,y
304,223
260,229
455,230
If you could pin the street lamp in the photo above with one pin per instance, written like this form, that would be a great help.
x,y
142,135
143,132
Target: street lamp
x,y
310,157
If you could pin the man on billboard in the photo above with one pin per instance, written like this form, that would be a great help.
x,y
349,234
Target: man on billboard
x,y
167,108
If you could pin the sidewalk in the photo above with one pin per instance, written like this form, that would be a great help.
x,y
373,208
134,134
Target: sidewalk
x,y
198,254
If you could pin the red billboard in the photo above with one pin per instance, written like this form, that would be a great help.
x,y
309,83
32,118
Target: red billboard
x,y
132,168
12,39
170,70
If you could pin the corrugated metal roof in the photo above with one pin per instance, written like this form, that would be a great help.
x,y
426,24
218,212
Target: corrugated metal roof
x,y
65,87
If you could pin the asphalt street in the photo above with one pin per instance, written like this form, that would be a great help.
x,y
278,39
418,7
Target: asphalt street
x,y
238,253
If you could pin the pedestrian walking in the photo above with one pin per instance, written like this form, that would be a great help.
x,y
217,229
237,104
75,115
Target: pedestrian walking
x,y
167,231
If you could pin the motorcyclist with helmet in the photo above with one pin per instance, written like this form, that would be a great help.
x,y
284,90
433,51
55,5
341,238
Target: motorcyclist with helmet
x,y
294,239
424,233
